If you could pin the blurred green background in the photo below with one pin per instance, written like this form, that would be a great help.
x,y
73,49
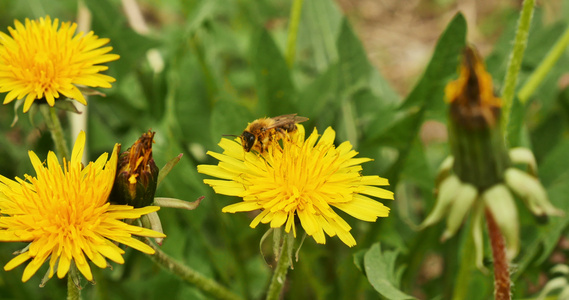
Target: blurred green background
x,y
194,70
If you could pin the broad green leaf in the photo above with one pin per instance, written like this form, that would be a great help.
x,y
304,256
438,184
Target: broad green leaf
x,y
443,66
354,67
382,89
382,274
547,134
320,96
359,260
274,86
395,128
417,169
191,105
229,118
320,24
425,100
427,95
555,166
555,228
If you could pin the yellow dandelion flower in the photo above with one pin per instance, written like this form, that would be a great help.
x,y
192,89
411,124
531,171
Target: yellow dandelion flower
x,y
301,179
43,59
64,214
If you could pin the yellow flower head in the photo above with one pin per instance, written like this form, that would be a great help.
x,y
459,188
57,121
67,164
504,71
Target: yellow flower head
x,y
42,59
64,214
301,179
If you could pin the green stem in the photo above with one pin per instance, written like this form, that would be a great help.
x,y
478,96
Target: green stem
x,y
466,265
279,276
54,126
73,292
191,276
295,13
515,62
544,67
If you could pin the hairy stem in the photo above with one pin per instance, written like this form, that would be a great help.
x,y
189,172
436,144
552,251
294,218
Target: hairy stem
x,y
279,276
515,62
501,270
54,126
73,291
191,276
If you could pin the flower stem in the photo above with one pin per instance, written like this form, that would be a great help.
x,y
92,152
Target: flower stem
x,y
190,276
295,13
73,292
501,271
544,67
56,130
515,62
467,258
279,276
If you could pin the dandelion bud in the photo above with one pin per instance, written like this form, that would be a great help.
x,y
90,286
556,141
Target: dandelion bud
x,y
137,174
474,133
478,176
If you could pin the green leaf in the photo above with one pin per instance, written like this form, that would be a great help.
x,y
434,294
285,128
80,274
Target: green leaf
x,y
547,135
429,91
397,129
354,68
273,81
427,95
417,169
320,96
359,260
425,100
555,166
229,118
191,106
381,273
320,23
550,234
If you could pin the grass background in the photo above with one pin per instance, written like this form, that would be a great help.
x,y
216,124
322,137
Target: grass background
x,y
374,71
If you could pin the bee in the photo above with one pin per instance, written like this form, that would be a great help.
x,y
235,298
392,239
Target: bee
x,y
261,132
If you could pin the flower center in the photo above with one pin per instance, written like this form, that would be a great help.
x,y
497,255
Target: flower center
x,y
40,59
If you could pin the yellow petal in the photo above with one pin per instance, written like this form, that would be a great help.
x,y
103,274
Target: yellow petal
x,y
18,260
63,267
32,268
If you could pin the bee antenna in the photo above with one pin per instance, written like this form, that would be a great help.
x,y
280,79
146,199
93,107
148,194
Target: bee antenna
x,y
229,135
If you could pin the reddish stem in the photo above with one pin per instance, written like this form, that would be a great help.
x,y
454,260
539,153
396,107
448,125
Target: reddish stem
x,y
501,270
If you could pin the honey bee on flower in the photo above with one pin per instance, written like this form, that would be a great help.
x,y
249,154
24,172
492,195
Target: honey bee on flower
x,y
261,132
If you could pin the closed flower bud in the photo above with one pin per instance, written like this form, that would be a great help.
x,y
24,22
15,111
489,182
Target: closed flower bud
x,y
475,138
479,175
137,174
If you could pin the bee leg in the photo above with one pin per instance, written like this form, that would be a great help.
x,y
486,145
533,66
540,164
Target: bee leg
x,y
282,133
262,147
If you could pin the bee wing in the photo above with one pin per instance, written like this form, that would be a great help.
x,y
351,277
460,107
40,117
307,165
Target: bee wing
x,y
286,119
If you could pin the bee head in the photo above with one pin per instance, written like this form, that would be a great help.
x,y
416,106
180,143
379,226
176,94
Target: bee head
x,y
247,140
